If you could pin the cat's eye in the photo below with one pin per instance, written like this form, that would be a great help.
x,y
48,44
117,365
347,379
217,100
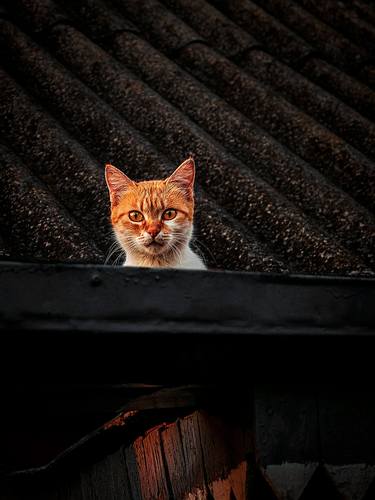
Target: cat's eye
x,y
169,214
135,216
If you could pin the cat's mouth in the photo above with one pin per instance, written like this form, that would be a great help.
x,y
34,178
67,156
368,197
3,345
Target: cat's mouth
x,y
155,246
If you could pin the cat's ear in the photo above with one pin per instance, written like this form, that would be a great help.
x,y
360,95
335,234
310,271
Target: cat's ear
x,y
184,175
117,183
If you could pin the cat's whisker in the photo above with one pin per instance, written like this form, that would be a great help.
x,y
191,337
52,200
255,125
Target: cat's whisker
x,y
120,255
115,247
116,262
176,249
109,255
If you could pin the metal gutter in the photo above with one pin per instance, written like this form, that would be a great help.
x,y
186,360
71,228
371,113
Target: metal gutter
x,y
151,325
61,297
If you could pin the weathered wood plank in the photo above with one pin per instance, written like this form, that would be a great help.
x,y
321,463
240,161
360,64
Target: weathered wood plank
x,y
106,480
198,457
132,468
192,450
224,447
152,474
119,474
175,460
232,487
205,458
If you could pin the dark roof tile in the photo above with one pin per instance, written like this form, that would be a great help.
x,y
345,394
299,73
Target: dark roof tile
x,y
165,28
63,165
327,152
278,39
345,19
213,26
99,20
37,15
345,87
367,74
329,43
220,237
288,46
79,109
38,226
276,187
324,107
365,10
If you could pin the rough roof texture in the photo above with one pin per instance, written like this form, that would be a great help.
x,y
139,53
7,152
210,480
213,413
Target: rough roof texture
x,y
274,99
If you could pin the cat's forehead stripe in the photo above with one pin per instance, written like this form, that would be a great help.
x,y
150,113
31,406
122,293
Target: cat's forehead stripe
x,y
152,196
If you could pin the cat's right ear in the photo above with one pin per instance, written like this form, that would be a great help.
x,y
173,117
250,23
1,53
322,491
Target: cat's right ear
x,y
117,183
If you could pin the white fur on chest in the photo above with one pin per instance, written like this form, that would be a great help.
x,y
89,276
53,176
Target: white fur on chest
x,y
188,260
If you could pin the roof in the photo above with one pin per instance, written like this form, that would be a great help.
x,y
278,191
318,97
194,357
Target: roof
x,y
274,100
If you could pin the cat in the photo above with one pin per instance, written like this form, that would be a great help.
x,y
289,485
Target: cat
x,y
153,220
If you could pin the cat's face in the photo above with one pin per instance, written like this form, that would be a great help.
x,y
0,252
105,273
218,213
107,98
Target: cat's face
x,y
152,218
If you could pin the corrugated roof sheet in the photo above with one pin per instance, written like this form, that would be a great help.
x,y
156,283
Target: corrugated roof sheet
x,y
273,98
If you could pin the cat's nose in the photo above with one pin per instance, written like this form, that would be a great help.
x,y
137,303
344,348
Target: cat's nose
x,y
153,231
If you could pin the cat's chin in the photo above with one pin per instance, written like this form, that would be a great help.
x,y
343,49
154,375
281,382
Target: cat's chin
x,y
155,248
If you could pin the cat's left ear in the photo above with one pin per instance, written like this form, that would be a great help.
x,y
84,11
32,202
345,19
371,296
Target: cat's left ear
x,y
117,183
184,175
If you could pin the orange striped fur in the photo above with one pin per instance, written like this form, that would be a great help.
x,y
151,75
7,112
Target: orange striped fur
x,y
153,220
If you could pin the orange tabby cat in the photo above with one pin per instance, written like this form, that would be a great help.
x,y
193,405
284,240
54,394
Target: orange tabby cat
x,y
153,220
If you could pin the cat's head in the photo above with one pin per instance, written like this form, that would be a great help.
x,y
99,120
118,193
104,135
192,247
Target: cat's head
x,y
153,218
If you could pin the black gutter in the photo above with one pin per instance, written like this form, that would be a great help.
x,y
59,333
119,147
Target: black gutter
x,y
95,322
